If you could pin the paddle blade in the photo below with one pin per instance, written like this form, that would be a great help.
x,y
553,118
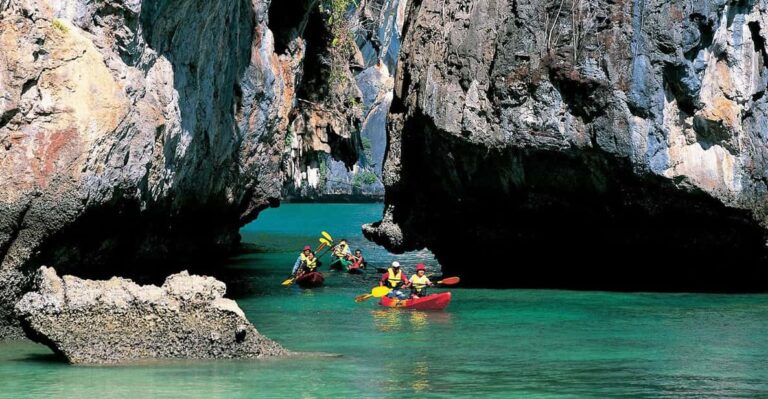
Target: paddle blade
x,y
364,297
327,236
379,292
289,281
325,241
449,281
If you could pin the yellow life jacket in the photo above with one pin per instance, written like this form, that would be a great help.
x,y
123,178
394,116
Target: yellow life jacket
x,y
340,250
419,282
394,279
310,263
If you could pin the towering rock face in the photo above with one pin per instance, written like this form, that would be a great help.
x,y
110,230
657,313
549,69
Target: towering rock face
x,y
137,132
582,143
319,165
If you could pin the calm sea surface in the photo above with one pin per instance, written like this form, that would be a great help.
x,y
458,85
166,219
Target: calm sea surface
x,y
488,343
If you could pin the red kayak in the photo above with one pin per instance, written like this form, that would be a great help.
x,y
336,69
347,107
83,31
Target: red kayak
x,y
429,302
310,280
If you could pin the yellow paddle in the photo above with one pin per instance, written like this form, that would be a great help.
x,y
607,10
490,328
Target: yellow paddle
x,y
327,236
377,292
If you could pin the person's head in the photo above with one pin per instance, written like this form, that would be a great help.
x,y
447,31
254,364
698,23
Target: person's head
x,y
343,242
311,255
307,250
421,269
396,266
358,252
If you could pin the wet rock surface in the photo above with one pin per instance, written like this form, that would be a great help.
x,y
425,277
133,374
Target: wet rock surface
x,y
582,144
118,321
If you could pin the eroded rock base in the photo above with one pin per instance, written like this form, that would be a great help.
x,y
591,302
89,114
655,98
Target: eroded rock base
x,y
117,321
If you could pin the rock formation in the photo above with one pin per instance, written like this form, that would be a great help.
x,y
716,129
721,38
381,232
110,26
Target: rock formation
x,y
317,168
117,321
142,134
582,143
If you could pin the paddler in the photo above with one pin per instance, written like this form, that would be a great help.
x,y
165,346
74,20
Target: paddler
x,y
420,282
358,261
309,264
342,254
395,278
301,259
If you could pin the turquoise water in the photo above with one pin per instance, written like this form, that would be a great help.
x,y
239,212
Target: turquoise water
x,y
488,343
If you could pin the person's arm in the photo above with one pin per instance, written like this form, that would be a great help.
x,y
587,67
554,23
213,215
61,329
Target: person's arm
x,y
296,265
406,282
384,278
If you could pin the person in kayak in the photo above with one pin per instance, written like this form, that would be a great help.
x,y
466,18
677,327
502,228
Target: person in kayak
x,y
341,254
357,260
420,282
308,265
302,257
395,278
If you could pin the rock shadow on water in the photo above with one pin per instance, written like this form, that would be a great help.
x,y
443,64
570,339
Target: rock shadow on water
x,y
47,358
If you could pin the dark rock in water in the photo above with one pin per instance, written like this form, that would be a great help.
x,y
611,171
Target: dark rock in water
x,y
116,321
582,144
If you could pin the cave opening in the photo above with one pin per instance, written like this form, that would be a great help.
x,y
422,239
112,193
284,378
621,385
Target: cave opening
x,y
287,21
120,239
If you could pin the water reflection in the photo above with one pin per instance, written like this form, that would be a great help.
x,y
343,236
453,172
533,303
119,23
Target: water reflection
x,y
419,320
420,376
307,292
387,320
440,318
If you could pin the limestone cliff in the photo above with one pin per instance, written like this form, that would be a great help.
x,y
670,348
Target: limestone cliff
x,y
134,132
350,104
571,143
